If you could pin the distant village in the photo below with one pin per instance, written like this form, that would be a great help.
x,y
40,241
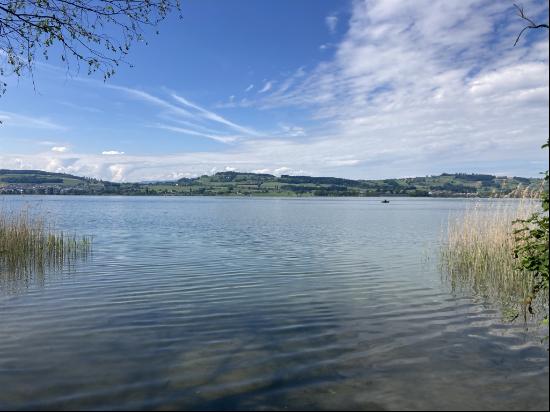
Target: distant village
x,y
32,182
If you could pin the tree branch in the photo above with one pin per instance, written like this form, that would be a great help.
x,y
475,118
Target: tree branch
x,y
532,24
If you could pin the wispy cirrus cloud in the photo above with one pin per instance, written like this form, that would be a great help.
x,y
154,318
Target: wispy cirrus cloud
x,y
198,120
150,98
267,87
433,79
412,88
209,115
80,107
293,131
332,22
10,119
319,156
218,138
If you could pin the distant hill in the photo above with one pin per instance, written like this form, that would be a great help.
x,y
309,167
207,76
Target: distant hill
x,y
37,176
254,184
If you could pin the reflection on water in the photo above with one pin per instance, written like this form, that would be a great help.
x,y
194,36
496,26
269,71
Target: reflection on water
x,y
478,257
205,303
17,277
30,248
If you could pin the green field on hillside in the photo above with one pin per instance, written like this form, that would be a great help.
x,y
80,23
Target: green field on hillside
x,y
252,184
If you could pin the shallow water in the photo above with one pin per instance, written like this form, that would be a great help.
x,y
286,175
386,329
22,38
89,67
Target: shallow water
x,y
252,303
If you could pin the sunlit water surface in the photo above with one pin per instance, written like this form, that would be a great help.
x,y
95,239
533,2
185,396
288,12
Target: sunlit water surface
x,y
249,303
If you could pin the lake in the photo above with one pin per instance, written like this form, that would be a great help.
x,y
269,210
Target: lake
x,y
258,303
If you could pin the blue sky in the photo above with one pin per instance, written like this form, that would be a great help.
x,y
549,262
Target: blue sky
x,y
360,89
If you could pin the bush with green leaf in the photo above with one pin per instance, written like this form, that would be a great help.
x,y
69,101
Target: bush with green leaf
x,y
532,245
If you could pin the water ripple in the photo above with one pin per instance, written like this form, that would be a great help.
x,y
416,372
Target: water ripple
x,y
258,304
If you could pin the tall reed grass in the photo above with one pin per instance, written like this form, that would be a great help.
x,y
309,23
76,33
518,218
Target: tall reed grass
x,y
478,254
28,243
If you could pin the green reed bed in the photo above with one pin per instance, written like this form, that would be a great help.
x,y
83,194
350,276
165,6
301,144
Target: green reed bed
x,y
478,254
28,243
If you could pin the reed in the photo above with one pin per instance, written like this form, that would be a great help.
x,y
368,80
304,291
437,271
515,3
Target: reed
x,y
27,243
478,254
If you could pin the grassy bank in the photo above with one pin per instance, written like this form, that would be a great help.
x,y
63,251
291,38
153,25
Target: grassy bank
x,y
28,243
478,254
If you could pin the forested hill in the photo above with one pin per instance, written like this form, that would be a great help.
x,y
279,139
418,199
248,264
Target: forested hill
x,y
252,184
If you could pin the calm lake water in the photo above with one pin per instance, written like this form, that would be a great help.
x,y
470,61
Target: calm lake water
x,y
252,303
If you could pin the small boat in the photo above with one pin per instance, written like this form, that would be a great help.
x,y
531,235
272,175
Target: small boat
x,y
385,201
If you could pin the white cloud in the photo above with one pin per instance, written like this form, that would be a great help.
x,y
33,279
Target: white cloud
x,y
293,131
261,171
289,171
413,88
117,172
332,22
209,115
419,82
10,119
511,79
111,152
146,97
191,115
250,87
60,149
325,156
80,107
221,139
267,87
